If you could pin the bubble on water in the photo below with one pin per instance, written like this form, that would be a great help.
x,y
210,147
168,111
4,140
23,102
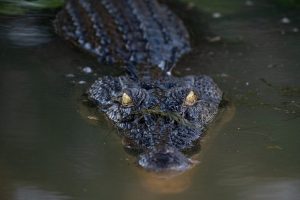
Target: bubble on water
x,y
87,70
81,82
295,30
249,3
285,20
216,15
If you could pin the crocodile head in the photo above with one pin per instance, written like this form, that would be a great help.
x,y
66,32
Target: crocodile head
x,y
162,118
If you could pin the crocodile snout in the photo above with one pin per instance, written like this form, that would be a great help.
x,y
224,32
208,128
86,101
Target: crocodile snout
x,y
164,159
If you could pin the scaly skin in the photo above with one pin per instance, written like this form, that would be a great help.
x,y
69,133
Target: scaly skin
x,y
161,115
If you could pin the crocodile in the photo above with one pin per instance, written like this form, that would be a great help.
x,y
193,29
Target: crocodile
x,y
159,115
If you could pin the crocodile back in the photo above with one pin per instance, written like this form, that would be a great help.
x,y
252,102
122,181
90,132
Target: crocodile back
x,y
124,31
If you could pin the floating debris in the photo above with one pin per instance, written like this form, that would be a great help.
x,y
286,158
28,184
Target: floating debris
x,y
87,70
81,82
214,39
70,75
247,83
216,15
223,75
90,117
285,20
274,147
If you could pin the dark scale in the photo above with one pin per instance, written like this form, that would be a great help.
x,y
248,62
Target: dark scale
x,y
124,31
161,115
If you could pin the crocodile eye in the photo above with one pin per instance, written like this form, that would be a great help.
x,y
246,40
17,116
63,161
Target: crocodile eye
x,y
190,99
126,100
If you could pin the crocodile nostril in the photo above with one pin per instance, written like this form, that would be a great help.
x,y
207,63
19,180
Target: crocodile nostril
x,y
165,159
162,159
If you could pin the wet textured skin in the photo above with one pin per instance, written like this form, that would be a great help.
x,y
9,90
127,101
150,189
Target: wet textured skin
x,y
158,121
161,115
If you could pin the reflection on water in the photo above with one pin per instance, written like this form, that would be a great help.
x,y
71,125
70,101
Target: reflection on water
x,y
272,189
49,150
34,193
26,32
166,184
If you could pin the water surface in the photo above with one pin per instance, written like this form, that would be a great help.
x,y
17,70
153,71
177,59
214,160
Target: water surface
x,y
51,146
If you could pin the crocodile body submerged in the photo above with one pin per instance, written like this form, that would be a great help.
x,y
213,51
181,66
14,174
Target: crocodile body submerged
x,y
159,114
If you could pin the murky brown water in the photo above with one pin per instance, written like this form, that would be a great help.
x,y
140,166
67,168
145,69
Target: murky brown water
x,y
50,150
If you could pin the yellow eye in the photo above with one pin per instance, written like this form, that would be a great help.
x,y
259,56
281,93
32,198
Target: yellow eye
x,y
126,100
191,98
